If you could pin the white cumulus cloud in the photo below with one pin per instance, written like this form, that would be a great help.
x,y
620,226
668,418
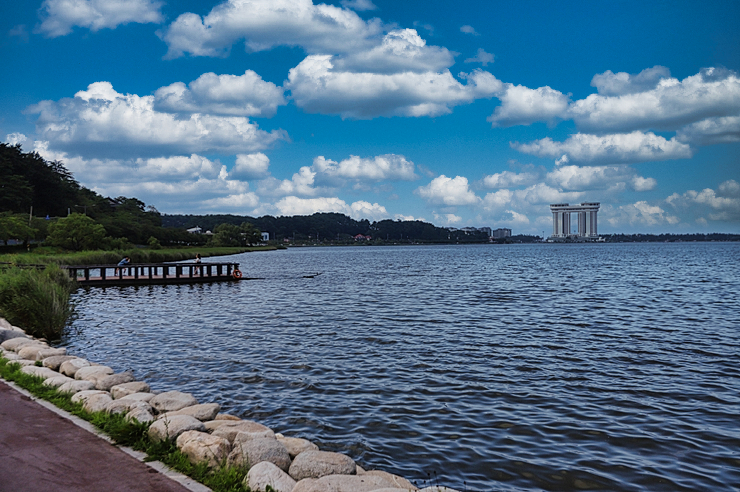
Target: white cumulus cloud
x,y
15,138
292,205
264,24
577,178
616,84
469,30
233,95
638,214
244,203
481,57
250,166
448,191
711,93
100,122
523,106
400,51
723,204
507,179
58,17
317,88
620,148
359,5
724,129
388,167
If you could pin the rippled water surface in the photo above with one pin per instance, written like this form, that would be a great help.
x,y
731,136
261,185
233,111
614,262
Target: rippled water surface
x,y
532,367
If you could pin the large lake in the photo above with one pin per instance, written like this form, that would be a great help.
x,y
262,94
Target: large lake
x,y
523,367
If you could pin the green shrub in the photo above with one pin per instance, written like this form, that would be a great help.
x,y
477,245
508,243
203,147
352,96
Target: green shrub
x,y
76,232
37,300
154,243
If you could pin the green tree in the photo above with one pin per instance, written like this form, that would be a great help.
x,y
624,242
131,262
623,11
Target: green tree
x,y
226,235
76,232
26,180
250,234
15,227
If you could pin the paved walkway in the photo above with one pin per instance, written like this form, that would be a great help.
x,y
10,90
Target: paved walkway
x,y
42,451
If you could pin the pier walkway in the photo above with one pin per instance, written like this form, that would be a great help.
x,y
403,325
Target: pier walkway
x,y
153,273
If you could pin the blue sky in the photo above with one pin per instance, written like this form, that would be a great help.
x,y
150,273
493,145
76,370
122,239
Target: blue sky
x,y
460,114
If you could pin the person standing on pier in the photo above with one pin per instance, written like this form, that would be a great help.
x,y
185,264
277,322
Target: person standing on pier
x,y
121,264
197,260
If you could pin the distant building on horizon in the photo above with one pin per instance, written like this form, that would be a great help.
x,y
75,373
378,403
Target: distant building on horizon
x,y
501,233
587,220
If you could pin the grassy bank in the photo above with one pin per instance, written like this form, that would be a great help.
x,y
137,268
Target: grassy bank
x,y
46,255
132,434
37,299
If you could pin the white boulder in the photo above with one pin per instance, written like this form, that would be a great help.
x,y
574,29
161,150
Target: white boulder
x,y
229,429
250,452
265,473
97,403
57,381
317,464
128,388
343,483
170,428
31,351
398,482
201,447
139,396
82,396
296,445
41,372
125,406
202,412
92,373
55,361
14,344
139,414
172,400
75,386
105,383
50,352
70,367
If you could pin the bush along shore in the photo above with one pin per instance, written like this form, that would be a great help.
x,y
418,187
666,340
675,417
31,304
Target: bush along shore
x,y
219,450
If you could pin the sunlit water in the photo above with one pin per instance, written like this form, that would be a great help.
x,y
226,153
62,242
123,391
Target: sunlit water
x,y
555,367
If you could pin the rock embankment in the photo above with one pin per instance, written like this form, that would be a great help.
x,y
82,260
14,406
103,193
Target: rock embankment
x,y
287,464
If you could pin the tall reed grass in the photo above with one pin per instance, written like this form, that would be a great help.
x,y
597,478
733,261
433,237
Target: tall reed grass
x,y
37,300
44,255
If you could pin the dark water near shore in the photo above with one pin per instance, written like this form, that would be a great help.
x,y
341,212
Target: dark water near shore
x,y
542,367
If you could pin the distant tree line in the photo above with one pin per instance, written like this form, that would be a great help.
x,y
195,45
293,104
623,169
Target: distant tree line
x,y
334,228
668,238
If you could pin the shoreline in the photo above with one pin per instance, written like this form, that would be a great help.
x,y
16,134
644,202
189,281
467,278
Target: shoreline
x,y
201,433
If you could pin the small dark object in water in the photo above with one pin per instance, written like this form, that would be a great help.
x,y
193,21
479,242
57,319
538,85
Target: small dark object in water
x,y
312,276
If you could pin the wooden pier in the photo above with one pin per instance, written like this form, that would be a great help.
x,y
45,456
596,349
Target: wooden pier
x,y
153,273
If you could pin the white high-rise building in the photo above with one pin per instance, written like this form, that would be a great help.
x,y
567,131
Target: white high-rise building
x,y
587,219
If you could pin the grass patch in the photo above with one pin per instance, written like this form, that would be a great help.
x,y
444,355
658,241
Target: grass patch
x,y
37,299
47,255
132,434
